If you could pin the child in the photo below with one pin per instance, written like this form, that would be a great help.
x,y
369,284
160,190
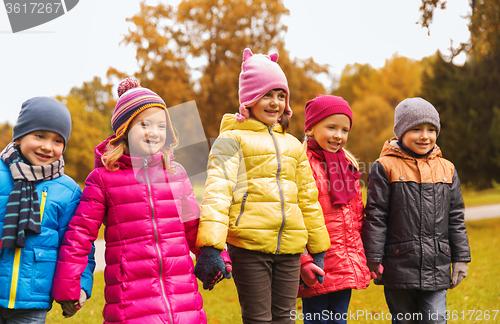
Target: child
x,y
260,197
37,201
147,204
327,126
414,221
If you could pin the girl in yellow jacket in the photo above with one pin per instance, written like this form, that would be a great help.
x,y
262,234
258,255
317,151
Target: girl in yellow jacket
x,y
260,198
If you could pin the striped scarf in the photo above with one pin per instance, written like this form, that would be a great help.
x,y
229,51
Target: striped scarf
x,y
23,207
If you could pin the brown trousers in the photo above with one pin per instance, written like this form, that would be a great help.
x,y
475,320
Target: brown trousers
x,y
267,285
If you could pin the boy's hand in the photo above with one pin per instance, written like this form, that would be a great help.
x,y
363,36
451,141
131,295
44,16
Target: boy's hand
x,y
376,270
459,273
318,259
70,307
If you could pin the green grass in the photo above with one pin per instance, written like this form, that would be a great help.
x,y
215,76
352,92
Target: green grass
x,y
480,291
474,198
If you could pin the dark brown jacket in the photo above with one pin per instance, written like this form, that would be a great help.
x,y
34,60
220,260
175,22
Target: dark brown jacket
x,y
414,221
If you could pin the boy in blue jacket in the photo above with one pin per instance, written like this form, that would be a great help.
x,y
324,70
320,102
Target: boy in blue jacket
x,y
37,201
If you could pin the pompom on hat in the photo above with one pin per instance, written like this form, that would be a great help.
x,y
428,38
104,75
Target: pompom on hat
x,y
412,112
133,100
260,74
323,106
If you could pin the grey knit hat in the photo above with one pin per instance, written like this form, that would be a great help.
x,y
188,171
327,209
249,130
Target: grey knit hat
x,y
413,112
43,114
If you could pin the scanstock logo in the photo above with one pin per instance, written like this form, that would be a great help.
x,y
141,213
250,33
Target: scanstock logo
x,y
31,13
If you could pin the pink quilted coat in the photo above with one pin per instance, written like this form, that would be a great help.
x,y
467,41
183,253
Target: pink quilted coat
x,y
151,220
345,261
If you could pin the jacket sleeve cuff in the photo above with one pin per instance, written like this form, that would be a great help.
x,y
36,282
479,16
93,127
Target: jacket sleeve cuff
x,y
305,259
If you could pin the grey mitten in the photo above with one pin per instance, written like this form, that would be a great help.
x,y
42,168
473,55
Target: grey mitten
x,y
459,273
318,259
210,267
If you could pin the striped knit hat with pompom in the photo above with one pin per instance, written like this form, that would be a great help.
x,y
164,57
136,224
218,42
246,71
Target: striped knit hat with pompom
x,y
133,100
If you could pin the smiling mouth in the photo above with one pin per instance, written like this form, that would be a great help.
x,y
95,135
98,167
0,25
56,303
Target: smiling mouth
x,y
271,111
43,156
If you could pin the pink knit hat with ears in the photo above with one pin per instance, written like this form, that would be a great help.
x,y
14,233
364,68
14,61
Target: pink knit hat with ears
x,y
259,74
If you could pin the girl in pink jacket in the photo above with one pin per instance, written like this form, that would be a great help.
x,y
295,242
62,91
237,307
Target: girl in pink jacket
x,y
327,125
147,204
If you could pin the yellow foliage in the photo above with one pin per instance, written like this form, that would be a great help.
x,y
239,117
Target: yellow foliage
x,y
373,94
373,120
5,135
88,130
194,52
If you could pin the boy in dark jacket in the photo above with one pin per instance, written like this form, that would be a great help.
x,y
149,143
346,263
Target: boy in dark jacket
x,y
414,222
37,201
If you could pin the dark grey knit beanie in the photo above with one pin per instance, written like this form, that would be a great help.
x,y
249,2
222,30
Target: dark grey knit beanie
x,y
413,112
43,114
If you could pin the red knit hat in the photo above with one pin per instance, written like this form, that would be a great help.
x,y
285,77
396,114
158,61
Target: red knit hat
x,y
323,106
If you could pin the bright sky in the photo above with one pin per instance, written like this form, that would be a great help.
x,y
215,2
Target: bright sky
x,y
50,59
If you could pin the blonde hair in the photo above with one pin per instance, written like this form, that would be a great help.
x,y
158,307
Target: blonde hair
x,y
349,156
115,151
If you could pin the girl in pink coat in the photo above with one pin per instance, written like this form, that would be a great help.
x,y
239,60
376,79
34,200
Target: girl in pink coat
x,y
327,125
147,204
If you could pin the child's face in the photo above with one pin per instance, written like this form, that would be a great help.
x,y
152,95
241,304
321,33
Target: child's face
x,y
420,139
270,107
331,132
147,132
41,147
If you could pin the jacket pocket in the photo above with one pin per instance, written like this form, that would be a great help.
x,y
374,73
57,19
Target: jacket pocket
x,y
444,255
43,269
243,202
401,264
443,262
399,248
444,248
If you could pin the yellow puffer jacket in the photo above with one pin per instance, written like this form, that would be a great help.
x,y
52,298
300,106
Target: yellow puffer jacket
x,y
260,193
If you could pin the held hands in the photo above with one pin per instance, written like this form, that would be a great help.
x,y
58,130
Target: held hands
x,y
212,266
312,272
376,270
318,260
70,307
459,273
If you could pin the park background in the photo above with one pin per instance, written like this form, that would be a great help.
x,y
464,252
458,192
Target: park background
x,y
190,52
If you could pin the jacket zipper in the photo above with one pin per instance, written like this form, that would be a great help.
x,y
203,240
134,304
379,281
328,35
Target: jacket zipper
x,y
282,197
242,207
164,295
17,260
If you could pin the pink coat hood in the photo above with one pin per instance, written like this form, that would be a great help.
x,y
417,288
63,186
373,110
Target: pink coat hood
x,y
151,218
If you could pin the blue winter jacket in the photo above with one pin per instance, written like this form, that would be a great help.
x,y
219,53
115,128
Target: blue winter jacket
x,y
26,274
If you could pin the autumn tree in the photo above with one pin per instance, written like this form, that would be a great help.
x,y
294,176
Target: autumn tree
x,y
194,52
373,94
468,100
5,135
88,130
91,106
97,96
